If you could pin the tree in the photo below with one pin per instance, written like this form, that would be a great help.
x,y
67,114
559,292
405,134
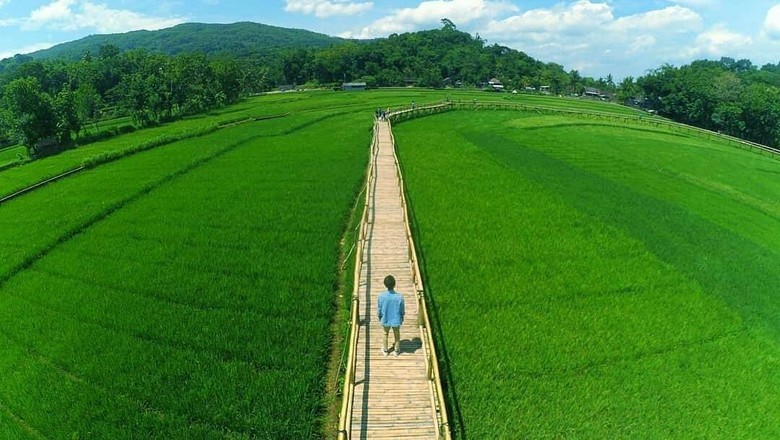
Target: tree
x,y
66,116
761,104
137,99
228,77
31,112
627,89
448,25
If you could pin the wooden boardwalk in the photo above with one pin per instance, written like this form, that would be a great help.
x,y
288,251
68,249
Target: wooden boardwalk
x,y
394,397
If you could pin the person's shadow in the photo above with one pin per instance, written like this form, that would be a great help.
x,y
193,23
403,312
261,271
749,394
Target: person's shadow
x,y
411,345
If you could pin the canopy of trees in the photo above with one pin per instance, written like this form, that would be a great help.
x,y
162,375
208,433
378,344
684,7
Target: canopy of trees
x,y
242,40
55,98
46,102
192,68
433,58
733,97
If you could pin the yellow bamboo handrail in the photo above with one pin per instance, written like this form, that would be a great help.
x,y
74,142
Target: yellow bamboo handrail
x,y
443,429
345,428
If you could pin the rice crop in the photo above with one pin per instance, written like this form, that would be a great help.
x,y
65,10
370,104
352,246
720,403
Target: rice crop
x,y
11,155
181,292
183,286
591,280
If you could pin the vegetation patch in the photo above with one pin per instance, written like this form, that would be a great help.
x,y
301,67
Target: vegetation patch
x,y
582,288
186,291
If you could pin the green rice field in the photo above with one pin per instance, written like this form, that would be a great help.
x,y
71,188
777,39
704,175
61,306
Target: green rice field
x,y
12,154
592,280
186,291
588,278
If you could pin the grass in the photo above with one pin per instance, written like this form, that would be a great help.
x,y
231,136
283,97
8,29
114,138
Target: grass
x,y
597,281
12,154
314,104
20,177
186,285
184,291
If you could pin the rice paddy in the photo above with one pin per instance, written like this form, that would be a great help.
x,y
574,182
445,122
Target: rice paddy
x,y
181,292
597,281
588,279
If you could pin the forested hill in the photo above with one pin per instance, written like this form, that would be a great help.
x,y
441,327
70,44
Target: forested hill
x,y
238,39
155,76
190,68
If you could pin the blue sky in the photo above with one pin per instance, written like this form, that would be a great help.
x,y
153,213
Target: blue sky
x,y
596,37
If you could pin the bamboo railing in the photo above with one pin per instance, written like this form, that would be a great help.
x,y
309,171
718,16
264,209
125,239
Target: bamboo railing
x,y
423,321
433,375
344,428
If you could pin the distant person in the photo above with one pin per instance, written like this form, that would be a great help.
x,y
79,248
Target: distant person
x,y
390,310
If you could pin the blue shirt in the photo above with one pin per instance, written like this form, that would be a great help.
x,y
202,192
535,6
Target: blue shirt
x,y
390,308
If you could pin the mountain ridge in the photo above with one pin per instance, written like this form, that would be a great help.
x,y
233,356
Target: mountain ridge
x,y
241,39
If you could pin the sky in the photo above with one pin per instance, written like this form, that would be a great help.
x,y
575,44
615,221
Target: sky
x,y
595,37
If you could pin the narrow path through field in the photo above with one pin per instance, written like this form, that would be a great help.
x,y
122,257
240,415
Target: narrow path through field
x,y
393,396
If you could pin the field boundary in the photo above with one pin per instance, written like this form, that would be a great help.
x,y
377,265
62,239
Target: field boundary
x,y
40,184
79,229
101,159
21,423
431,109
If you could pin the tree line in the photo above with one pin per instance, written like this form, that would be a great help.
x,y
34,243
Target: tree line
x,y
731,96
51,102
432,58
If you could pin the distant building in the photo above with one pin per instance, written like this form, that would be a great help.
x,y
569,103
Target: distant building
x,y
496,85
286,87
592,92
354,86
595,93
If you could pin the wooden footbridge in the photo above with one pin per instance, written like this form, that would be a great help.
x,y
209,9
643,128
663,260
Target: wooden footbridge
x,y
389,397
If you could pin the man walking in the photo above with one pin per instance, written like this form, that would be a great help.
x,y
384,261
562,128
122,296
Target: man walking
x,y
390,309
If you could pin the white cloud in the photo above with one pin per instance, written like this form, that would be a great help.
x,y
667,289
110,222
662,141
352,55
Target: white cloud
x,y
6,22
59,10
431,12
772,23
576,19
25,50
642,43
70,15
327,8
671,19
586,34
719,41
108,20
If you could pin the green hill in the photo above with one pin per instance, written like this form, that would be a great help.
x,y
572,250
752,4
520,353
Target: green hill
x,y
241,39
